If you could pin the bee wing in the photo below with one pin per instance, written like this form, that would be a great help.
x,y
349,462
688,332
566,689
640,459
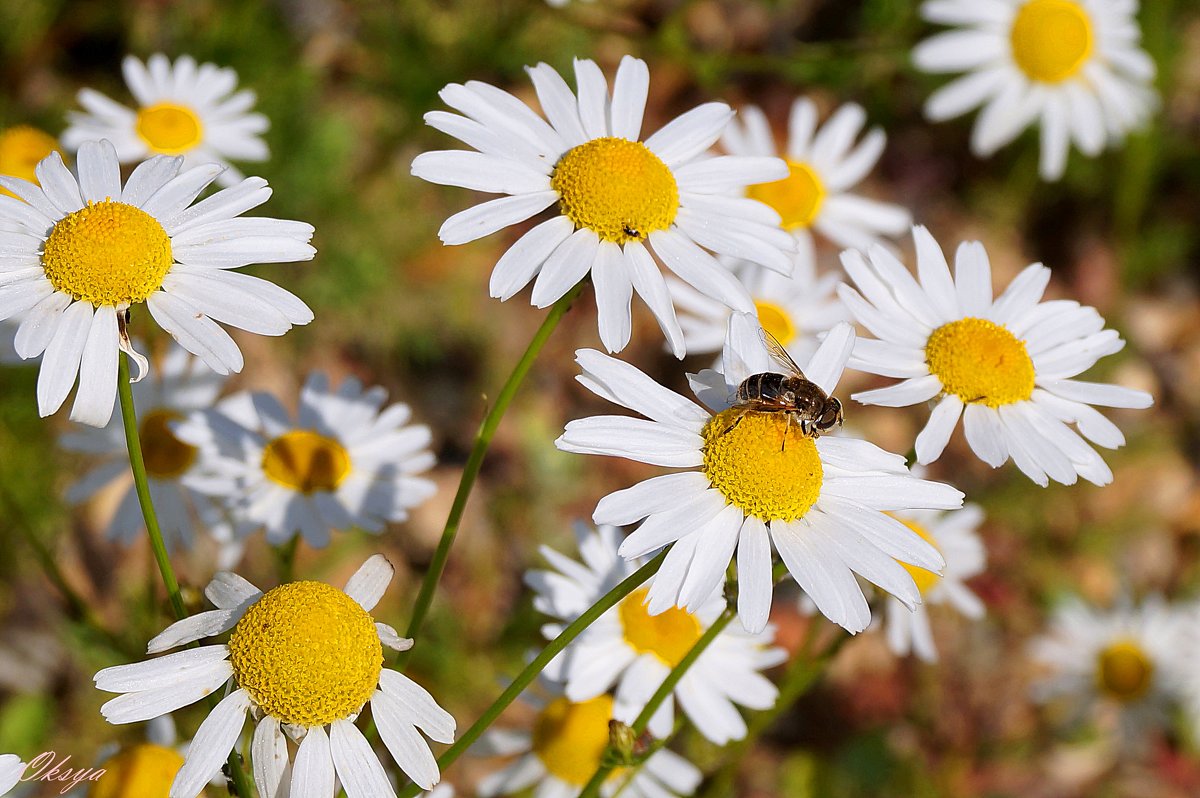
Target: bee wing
x,y
780,355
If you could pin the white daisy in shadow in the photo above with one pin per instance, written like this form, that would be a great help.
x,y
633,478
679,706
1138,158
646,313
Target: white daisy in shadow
x,y
1006,366
794,309
183,108
177,386
760,481
1126,659
85,251
343,461
620,202
635,651
824,163
1074,68
954,534
565,747
11,770
303,660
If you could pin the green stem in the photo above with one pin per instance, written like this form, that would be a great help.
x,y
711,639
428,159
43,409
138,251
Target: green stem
x,y
539,663
801,675
141,484
239,784
285,560
609,760
483,439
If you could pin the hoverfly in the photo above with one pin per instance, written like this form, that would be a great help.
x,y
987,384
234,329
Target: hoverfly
x,y
791,393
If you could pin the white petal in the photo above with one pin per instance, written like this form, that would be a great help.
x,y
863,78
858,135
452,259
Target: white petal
x,y
565,267
313,775
649,284
488,217
361,773
614,293
632,438
523,259
98,371
626,385
411,752
228,590
1098,393
211,746
592,91
417,706
936,434
984,434
650,496
480,172
169,671
370,581
973,279
195,332
902,394
99,171
269,758
700,270
688,135
829,361
61,362
558,103
195,627
630,89
754,575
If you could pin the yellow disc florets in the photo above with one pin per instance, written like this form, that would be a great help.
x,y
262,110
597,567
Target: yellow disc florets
x,y
616,188
1124,671
1051,39
107,253
669,635
924,580
775,319
166,456
140,771
307,653
797,198
981,362
306,461
22,148
169,129
570,738
748,459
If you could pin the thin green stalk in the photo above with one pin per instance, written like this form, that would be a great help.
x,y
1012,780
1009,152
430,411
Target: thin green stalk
x,y
483,439
539,663
802,673
141,484
285,560
609,760
239,784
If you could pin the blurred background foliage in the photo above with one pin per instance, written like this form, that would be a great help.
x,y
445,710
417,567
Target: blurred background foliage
x,y
345,85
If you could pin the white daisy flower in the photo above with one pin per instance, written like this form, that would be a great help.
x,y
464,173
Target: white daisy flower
x,y
179,386
1005,365
619,201
87,250
11,770
182,109
565,747
823,166
636,651
1125,658
822,502
22,148
1073,67
794,309
343,461
303,659
955,536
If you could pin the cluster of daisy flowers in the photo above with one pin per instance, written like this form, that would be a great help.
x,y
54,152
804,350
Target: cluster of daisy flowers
x,y
719,231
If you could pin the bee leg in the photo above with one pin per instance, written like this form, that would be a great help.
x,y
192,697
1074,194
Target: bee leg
x,y
787,427
736,421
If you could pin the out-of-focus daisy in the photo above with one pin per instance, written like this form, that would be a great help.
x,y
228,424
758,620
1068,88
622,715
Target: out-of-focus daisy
x,y
1005,365
304,659
181,385
1073,67
1127,658
617,199
182,109
821,502
954,534
565,748
823,166
636,651
145,769
343,461
795,309
22,148
84,251
11,770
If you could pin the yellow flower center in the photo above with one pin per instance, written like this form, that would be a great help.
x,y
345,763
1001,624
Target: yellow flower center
x,y
980,361
616,188
1051,39
797,198
169,129
166,456
668,636
776,320
570,738
141,771
22,148
107,253
924,579
307,654
748,459
1124,671
306,461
